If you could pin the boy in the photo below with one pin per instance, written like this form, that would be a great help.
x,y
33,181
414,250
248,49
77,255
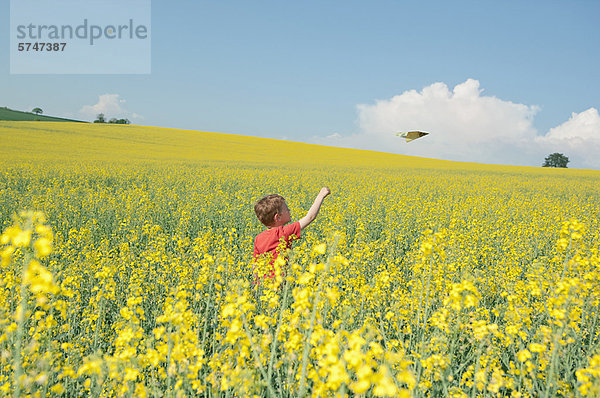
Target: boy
x,y
274,213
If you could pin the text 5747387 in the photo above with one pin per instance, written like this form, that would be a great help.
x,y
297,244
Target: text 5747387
x,y
37,46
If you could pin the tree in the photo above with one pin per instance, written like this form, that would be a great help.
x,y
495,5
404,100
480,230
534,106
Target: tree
x,y
37,111
556,160
100,118
119,121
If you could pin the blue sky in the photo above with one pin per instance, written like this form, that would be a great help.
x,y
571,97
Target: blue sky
x,y
493,81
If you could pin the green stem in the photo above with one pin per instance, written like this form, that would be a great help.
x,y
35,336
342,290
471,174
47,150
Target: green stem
x,y
208,305
18,370
306,349
566,260
553,358
428,273
476,369
98,324
274,343
427,292
168,362
593,331
270,390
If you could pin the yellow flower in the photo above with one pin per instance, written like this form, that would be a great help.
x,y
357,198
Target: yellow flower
x,y
228,310
38,278
320,249
90,367
305,278
21,238
384,384
523,355
58,388
336,376
360,386
131,374
43,247
536,347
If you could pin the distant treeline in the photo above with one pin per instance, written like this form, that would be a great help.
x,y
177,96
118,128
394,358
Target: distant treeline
x,y
101,119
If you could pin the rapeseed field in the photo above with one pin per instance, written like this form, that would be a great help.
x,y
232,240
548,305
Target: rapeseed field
x,y
126,270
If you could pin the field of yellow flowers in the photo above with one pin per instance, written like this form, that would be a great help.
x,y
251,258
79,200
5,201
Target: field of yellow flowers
x,y
126,257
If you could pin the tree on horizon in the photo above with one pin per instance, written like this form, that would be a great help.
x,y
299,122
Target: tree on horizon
x,y
556,160
37,111
119,121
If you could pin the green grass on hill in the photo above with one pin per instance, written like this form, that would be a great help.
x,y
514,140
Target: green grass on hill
x,y
18,116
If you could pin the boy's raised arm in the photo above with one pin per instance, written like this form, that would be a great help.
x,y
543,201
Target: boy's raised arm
x,y
314,209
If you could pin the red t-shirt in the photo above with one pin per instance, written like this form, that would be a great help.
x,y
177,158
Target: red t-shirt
x,y
268,241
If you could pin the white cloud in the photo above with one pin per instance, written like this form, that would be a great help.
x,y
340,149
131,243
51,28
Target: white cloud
x,y
466,125
584,125
578,138
111,105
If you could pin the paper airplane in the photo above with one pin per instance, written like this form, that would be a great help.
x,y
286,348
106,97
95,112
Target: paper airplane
x,y
411,135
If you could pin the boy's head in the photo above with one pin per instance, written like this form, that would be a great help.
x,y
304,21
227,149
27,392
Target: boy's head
x,y
272,210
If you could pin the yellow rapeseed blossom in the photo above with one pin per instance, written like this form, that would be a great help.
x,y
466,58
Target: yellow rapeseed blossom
x,y
418,278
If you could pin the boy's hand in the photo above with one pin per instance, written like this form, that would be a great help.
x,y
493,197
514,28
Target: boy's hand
x,y
324,192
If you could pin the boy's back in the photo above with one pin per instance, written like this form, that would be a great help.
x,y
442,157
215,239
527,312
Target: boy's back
x,y
269,240
274,213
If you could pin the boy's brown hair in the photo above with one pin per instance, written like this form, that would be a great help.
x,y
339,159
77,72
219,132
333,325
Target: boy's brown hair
x,y
267,207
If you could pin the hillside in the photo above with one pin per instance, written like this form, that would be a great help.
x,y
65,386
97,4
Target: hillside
x,y
23,141
12,115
